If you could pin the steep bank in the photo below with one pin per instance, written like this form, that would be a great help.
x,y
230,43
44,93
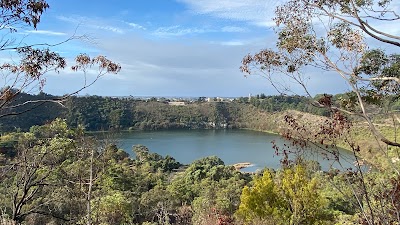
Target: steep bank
x,y
96,113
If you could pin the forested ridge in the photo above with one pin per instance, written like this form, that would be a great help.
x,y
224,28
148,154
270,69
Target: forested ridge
x,y
97,113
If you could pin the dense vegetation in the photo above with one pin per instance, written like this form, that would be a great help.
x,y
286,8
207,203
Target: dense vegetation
x,y
96,113
53,174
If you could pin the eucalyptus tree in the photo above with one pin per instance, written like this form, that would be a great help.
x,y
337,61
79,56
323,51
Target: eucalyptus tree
x,y
35,60
289,196
30,185
335,36
30,176
357,41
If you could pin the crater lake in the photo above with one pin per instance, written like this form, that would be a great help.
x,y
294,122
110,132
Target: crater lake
x,y
232,146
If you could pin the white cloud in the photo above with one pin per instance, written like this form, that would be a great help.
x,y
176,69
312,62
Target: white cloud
x,y
257,12
74,19
45,32
137,26
234,29
232,43
109,28
166,67
94,23
179,31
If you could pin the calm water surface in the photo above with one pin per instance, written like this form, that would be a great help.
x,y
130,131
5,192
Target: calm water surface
x,y
232,146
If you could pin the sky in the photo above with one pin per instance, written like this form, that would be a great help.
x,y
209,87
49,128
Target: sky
x,y
166,47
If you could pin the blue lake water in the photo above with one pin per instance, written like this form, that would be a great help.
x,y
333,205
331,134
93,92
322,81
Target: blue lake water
x,y
232,146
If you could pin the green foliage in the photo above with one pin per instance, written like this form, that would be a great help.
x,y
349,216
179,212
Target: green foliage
x,y
149,188
188,185
118,176
113,208
376,63
99,113
261,201
37,113
279,103
212,189
30,185
339,193
382,204
95,113
58,162
217,201
306,204
288,197
155,161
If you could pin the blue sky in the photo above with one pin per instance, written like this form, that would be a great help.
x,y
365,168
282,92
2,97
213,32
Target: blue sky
x,y
166,47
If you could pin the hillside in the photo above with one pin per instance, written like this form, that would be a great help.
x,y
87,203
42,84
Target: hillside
x,y
96,113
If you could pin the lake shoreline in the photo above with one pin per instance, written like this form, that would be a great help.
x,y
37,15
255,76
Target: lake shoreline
x,y
185,129
251,147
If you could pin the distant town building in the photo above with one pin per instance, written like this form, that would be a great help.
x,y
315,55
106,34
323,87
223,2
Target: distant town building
x,y
176,103
219,99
